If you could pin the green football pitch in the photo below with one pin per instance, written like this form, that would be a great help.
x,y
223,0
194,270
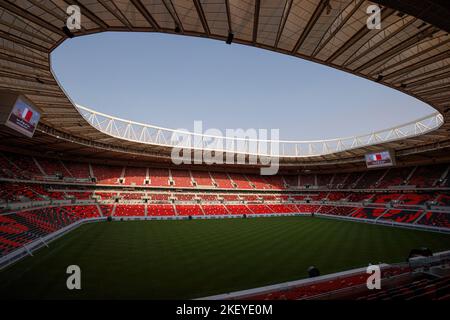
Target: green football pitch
x,y
192,259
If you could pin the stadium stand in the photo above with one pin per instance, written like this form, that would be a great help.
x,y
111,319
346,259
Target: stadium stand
x,y
416,198
239,209
268,197
275,182
403,216
250,197
132,196
60,195
159,177
189,210
337,181
306,208
281,208
317,196
129,211
336,210
160,196
307,180
215,210
24,163
202,178
222,180
369,180
106,195
185,197
336,196
291,181
356,196
107,174
23,227
437,219
352,179
73,200
135,176
106,210
10,170
208,197
53,167
324,180
81,212
258,182
231,197
443,199
79,195
395,177
427,176
320,287
259,208
368,213
77,169
160,210
240,181
435,289
182,178
10,192
385,198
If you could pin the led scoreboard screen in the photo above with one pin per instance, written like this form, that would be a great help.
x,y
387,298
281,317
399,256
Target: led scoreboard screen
x,y
379,159
23,118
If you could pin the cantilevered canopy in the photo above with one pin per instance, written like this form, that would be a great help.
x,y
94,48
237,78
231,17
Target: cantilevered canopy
x,y
411,51
157,136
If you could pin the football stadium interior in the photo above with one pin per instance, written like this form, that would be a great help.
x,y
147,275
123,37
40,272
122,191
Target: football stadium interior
x,y
86,188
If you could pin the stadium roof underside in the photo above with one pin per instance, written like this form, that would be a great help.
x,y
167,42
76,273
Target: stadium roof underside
x,y
410,53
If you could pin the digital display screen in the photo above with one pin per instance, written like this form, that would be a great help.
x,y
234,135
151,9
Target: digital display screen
x,y
379,159
23,118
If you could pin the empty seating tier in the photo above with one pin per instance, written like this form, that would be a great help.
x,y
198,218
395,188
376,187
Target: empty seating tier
x,y
78,170
202,178
368,213
107,174
404,216
160,210
159,177
135,176
53,167
23,227
182,178
436,219
240,181
213,210
189,210
129,210
427,176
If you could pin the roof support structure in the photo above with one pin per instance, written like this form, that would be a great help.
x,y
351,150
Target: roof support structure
x,y
146,14
312,21
201,14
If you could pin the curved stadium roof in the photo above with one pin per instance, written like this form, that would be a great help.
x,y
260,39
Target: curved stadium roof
x,y
410,53
153,135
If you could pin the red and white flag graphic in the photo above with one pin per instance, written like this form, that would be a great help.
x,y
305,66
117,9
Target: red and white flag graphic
x,y
27,114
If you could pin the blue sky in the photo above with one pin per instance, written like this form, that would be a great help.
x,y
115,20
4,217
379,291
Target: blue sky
x,y
171,81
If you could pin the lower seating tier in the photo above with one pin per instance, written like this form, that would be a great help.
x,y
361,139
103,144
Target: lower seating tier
x,y
436,219
22,227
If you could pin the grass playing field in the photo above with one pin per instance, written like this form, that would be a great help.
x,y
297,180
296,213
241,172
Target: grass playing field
x,y
191,259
